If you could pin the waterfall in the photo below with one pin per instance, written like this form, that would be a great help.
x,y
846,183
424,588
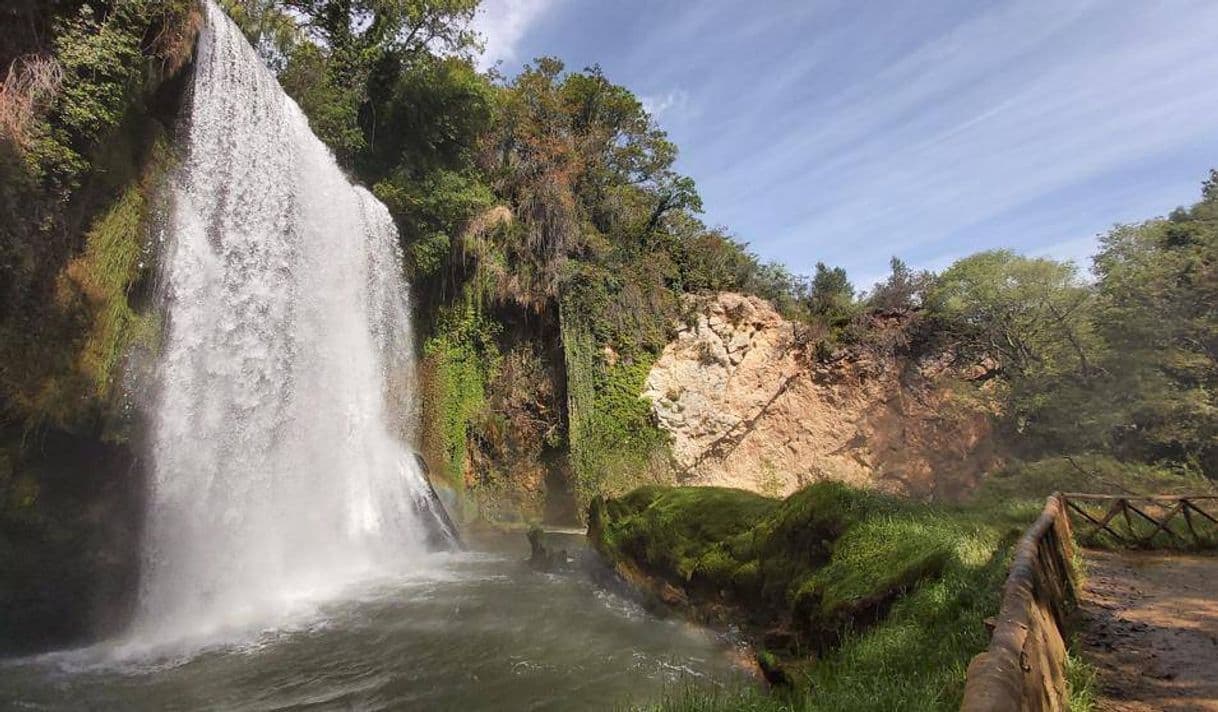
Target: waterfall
x,y
278,456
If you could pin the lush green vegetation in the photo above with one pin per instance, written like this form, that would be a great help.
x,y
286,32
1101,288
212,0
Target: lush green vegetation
x,y
1125,364
82,143
1080,684
86,110
863,601
547,236
550,243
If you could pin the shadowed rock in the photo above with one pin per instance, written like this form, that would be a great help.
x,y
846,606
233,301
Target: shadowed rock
x,y
442,533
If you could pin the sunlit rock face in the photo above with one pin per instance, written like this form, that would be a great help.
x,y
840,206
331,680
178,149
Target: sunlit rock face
x,y
749,404
280,446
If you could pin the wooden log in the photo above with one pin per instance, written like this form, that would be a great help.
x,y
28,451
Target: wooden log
x,y
1188,519
1100,525
1128,521
1162,526
1198,510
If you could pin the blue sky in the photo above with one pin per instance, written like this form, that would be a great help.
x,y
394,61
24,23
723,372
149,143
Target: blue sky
x,y
848,132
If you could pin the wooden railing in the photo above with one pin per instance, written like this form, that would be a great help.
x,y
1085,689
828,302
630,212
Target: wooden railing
x,y
1024,667
1130,520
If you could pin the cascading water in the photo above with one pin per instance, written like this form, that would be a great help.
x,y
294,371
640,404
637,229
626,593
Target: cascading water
x,y
278,468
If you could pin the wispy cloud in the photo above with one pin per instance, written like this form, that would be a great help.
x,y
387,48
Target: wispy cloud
x,y
503,24
850,132
667,103
1018,116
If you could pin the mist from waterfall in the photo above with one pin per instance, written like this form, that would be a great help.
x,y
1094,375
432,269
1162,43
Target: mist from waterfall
x,y
285,385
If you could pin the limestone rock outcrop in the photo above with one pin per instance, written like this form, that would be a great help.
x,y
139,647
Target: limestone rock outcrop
x,y
750,403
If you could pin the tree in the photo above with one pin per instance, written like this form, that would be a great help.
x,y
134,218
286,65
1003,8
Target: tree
x,y
589,175
380,26
904,288
421,160
831,296
345,58
1158,288
1031,320
1029,314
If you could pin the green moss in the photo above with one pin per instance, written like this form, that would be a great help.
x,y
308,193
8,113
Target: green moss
x,y
816,560
74,205
886,598
882,554
459,361
677,532
65,353
614,442
580,359
116,255
461,383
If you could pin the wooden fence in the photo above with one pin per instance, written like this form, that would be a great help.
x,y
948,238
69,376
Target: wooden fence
x,y
1024,667
1177,520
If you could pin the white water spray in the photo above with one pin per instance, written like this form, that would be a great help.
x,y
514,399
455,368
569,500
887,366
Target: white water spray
x,y
277,471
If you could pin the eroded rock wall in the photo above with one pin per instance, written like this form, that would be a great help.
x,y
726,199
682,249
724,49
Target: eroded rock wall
x,y
750,403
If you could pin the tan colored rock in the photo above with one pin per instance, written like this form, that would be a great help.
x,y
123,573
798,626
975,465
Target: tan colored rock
x,y
748,405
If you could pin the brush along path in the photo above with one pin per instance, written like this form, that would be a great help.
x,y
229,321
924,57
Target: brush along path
x,y
1150,627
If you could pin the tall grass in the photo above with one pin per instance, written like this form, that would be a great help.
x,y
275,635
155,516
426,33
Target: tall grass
x,y
916,655
939,572
1080,684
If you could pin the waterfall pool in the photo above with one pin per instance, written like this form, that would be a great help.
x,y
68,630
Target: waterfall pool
x,y
476,630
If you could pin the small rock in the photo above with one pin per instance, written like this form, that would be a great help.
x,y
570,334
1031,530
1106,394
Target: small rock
x,y
541,558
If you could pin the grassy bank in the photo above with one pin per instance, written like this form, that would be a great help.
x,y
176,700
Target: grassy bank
x,y
862,601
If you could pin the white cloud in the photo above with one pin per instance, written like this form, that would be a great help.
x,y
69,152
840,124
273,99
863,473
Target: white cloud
x,y
674,101
503,24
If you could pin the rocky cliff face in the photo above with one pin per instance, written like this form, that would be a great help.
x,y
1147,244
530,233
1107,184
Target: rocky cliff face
x,y
749,403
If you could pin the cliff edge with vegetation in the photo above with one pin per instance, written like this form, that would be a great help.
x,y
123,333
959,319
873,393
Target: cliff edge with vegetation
x,y
87,113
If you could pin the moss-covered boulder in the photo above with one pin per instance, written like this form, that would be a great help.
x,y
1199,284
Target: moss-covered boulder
x,y
798,572
856,600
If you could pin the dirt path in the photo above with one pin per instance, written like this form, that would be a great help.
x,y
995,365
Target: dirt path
x,y
1150,627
